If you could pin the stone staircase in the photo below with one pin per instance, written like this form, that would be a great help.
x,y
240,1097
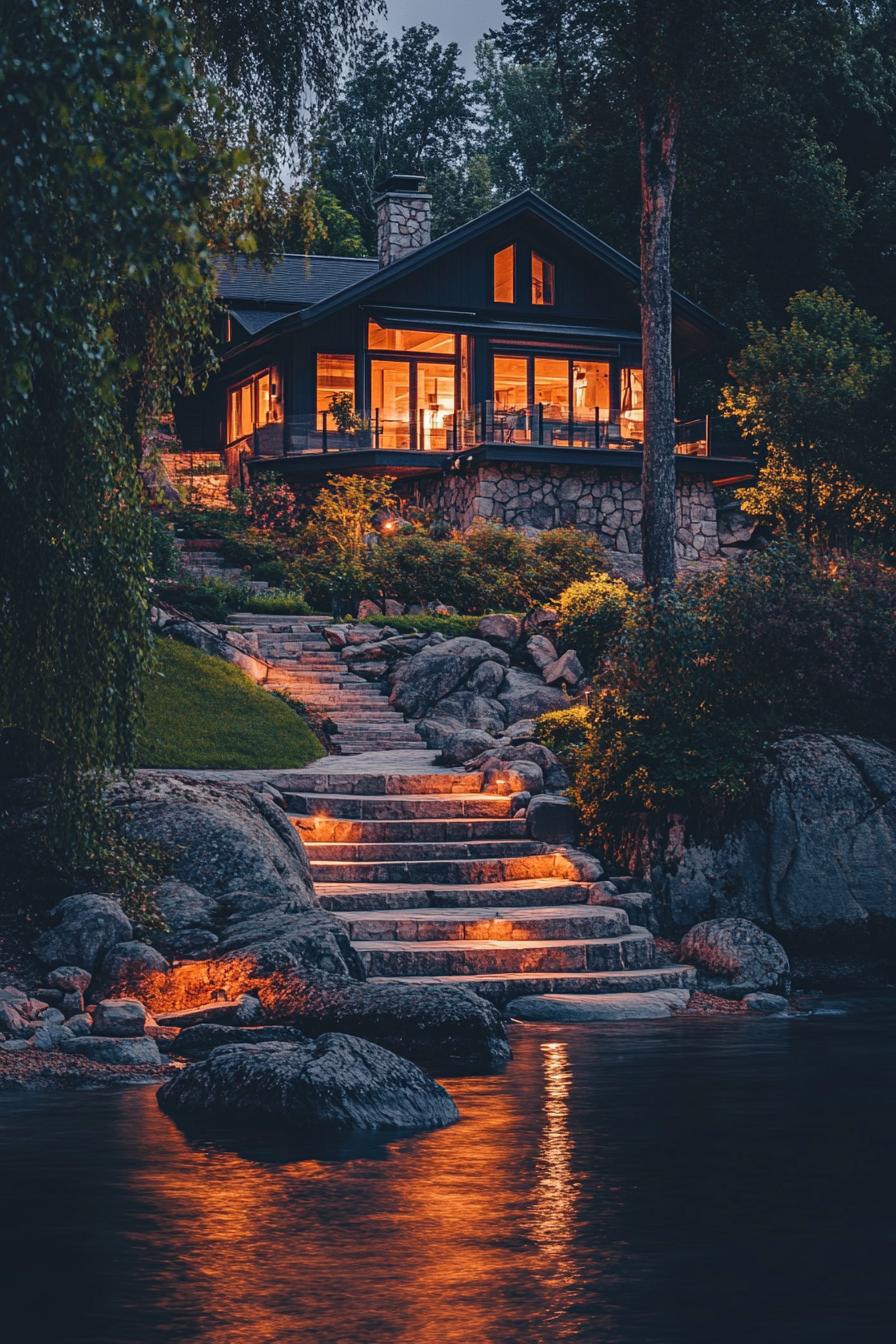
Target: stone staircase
x,y
438,883
304,667
202,560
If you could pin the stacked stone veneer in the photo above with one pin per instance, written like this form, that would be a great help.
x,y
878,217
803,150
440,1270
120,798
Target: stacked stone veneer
x,y
595,499
403,223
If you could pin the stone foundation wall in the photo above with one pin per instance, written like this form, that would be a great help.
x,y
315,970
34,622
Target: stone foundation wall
x,y
595,499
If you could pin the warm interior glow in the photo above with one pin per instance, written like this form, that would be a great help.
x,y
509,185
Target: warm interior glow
x,y
542,280
404,339
257,401
504,265
390,400
631,404
552,388
510,382
335,376
435,405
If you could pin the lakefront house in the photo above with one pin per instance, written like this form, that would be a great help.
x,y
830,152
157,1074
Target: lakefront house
x,y
495,372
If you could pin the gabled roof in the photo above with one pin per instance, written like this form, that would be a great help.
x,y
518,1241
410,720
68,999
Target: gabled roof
x,y
376,277
294,281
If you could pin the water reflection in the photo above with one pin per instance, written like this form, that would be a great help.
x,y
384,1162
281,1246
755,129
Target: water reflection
x,y
640,1185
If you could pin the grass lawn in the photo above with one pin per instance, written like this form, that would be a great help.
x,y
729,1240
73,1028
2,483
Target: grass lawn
x,y
204,714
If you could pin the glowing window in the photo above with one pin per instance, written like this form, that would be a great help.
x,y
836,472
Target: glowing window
x,y
631,403
552,388
542,280
256,402
335,378
590,389
403,339
504,265
510,382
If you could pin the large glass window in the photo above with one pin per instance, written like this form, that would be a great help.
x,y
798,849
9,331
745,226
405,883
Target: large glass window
x,y
542,280
335,377
511,388
435,406
590,389
552,388
404,339
251,404
390,401
631,404
504,265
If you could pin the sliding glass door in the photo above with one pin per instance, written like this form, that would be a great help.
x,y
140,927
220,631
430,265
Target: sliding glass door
x,y
390,401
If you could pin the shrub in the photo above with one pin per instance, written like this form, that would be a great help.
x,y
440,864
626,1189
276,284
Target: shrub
x,y
561,556
498,571
165,558
210,600
451,626
276,602
564,731
592,613
705,676
413,567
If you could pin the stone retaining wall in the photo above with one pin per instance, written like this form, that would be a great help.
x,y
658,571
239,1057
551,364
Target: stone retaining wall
x,y
595,499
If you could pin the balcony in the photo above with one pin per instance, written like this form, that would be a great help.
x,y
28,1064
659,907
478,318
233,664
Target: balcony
x,y
452,432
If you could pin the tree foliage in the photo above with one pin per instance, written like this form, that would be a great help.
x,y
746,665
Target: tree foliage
x,y
702,677
102,189
805,396
405,107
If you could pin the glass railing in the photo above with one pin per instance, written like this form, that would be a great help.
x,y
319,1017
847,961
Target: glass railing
x,y
539,425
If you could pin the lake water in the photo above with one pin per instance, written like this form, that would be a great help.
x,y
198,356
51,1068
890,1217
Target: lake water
x,y
675,1182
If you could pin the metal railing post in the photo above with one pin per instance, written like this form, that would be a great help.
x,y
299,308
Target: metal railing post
x,y
539,410
325,429
376,428
708,436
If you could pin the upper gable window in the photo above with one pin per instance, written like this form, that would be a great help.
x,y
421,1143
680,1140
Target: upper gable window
x,y
542,281
504,265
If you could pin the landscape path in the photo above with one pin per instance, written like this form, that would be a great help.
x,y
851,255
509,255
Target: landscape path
x,y
439,884
304,667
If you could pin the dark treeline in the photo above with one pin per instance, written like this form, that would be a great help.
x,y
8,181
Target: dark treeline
x,y
787,158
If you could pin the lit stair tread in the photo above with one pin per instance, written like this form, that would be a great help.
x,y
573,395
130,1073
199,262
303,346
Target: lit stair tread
x,y
635,935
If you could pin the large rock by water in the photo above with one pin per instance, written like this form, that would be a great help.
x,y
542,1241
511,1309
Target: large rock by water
x,y
226,837
83,928
735,957
437,1026
332,1084
819,855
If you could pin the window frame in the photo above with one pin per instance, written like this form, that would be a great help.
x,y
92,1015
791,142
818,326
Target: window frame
x,y
549,273
271,372
499,252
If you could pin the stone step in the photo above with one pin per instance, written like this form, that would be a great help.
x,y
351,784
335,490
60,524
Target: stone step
x,y
399,851
499,989
631,1007
371,785
398,807
496,956
337,830
437,872
537,891
358,744
362,748
536,923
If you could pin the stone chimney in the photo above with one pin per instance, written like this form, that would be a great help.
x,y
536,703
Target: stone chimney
x,y
403,217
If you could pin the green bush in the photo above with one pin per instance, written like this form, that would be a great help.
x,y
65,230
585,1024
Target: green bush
x,y
592,612
564,731
414,567
450,626
165,558
275,602
704,677
562,555
210,600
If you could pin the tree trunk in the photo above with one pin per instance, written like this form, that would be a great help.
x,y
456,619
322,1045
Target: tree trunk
x,y
658,119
